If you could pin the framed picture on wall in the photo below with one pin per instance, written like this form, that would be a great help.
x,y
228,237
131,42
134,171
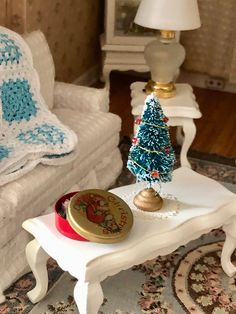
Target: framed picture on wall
x,y
119,24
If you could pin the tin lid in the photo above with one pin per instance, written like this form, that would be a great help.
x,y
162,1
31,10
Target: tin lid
x,y
99,216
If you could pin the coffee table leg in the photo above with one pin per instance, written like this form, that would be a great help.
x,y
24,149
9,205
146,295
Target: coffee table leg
x,y
88,297
37,259
228,248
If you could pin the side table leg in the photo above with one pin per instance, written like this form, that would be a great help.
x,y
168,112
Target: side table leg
x,y
106,76
37,259
88,297
189,130
228,248
179,135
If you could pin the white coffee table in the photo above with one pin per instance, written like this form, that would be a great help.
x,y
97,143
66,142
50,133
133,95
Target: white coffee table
x,y
181,111
204,205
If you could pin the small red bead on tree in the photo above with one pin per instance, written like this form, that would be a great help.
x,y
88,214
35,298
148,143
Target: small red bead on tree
x,y
165,119
167,150
134,140
155,174
138,121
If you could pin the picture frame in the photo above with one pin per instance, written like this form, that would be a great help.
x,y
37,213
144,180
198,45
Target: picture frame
x,y
119,25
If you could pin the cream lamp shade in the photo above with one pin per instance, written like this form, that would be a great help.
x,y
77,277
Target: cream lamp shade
x,y
165,55
176,15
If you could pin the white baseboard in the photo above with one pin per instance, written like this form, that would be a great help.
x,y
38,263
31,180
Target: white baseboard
x,y
195,79
89,77
199,80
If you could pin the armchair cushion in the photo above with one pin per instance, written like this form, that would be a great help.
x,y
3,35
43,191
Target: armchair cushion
x,y
91,129
82,98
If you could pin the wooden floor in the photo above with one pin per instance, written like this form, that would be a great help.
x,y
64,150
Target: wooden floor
x,y
216,130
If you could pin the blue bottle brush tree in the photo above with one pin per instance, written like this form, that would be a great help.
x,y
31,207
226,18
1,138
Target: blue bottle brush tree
x,y
151,157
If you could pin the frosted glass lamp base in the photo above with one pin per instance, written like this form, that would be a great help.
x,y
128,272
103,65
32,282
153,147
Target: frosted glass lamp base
x,y
164,56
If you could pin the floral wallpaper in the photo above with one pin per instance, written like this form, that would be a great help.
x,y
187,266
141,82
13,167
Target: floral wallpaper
x,y
72,28
3,13
212,48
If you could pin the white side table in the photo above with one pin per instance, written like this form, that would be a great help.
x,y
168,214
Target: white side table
x,y
204,205
121,57
181,110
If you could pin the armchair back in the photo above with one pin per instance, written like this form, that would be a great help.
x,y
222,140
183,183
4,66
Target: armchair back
x,y
43,63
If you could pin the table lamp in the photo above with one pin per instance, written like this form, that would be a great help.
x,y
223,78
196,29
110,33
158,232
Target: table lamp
x,y
164,55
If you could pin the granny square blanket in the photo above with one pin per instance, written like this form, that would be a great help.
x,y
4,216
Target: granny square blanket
x,y
29,132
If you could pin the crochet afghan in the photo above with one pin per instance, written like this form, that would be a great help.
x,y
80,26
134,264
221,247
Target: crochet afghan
x,y
30,133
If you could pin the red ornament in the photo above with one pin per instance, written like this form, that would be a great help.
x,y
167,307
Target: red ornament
x,y
138,121
167,150
134,140
155,174
165,119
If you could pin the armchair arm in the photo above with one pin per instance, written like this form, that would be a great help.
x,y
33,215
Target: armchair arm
x,y
82,98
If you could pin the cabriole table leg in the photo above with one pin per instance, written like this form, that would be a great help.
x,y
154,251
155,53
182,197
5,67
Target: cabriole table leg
x,y
228,248
189,130
88,297
37,259
179,135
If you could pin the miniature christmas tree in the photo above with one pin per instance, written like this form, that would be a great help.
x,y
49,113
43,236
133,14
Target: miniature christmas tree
x,y
151,158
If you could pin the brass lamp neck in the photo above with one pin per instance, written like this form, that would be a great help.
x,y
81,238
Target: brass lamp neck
x,y
167,34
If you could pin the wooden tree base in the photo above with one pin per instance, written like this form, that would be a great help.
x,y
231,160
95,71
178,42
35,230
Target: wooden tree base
x,y
148,200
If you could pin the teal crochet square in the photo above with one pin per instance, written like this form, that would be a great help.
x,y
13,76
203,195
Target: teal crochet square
x,y
17,100
9,51
4,152
42,134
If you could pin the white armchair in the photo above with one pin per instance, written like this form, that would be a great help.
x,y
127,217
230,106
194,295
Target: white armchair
x,y
97,165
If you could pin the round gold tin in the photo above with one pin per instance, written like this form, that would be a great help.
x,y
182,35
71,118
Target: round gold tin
x,y
99,216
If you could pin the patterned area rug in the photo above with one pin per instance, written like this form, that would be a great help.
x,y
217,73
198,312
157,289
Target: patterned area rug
x,y
190,280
